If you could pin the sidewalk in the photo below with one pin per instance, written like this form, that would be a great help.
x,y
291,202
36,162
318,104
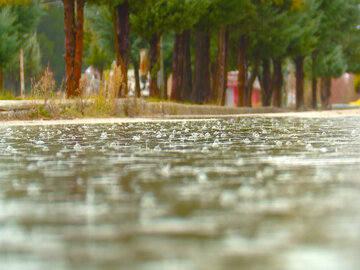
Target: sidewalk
x,y
14,109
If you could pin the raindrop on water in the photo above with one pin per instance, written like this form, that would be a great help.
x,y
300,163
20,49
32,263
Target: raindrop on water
x,y
309,147
216,143
228,198
148,201
202,177
103,136
268,172
136,137
279,143
77,147
10,149
157,148
246,192
240,162
33,190
115,145
165,170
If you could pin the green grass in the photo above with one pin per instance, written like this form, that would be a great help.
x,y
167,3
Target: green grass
x,y
7,95
155,99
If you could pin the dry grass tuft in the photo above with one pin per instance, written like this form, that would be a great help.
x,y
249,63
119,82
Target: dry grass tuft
x,y
45,89
50,104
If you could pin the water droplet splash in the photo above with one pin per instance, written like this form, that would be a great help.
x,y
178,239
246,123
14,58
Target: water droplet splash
x,y
202,177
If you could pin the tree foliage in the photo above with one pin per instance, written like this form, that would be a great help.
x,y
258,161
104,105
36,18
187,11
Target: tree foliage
x,y
18,23
323,34
8,35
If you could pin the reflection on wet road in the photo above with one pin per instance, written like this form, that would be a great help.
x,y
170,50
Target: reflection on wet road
x,y
243,193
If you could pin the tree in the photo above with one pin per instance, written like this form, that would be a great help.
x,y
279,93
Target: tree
x,y
338,24
121,22
227,13
148,23
277,27
182,16
122,39
136,44
32,64
9,41
100,40
74,31
99,37
18,30
28,17
246,58
51,38
303,44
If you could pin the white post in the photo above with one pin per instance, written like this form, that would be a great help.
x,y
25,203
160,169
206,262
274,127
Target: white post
x,y
162,86
22,76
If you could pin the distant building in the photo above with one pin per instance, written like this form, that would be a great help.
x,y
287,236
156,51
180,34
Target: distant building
x,y
343,90
231,98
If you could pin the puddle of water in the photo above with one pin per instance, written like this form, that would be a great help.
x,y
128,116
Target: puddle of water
x,y
241,193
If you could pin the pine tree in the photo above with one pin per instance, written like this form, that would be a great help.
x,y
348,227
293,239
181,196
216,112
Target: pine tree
x,y
74,31
303,44
18,31
180,16
99,46
339,20
9,40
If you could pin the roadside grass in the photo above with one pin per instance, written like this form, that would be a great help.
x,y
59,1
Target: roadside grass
x,y
54,105
8,95
48,102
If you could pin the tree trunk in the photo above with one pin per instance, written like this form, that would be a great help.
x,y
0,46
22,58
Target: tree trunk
x,y
325,93
250,82
266,83
79,33
122,42
220,74
187,75
313,97
202,88
299,63
22,74
137,79
69,22
165,86
277,83
242,71
177,68
216,89
116,41
181,68
1,79
154,67
225,68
